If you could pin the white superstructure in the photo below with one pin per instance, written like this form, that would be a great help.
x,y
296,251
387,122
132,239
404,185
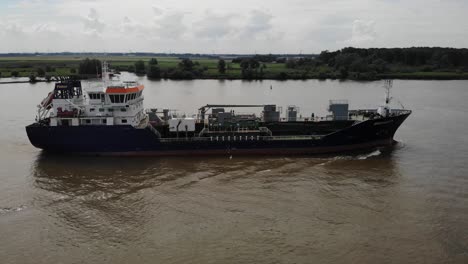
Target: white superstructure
x,y
112,103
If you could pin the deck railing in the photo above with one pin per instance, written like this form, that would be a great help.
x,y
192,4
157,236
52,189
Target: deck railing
x,y
241,138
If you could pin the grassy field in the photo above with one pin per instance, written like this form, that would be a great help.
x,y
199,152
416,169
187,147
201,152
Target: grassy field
x,y
68,65
64,65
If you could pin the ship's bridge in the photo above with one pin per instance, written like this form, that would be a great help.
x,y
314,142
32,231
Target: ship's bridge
x,y
124,93
125,88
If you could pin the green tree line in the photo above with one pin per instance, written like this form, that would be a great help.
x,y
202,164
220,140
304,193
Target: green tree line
x,y
346,63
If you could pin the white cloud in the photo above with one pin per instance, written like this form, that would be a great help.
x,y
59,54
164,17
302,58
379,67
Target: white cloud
x,y
232,27
92,22
258,22
214,26
170,26
128,26
30,3
157,11
12,29
363,32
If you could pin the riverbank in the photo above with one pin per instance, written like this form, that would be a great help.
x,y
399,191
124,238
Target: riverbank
x,y
48,67
402,76
393,76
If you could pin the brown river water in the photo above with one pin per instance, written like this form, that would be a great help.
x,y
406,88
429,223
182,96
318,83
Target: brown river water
x,y
402,204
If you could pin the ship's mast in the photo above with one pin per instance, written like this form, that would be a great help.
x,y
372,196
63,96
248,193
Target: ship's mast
x,y
388,86
105,72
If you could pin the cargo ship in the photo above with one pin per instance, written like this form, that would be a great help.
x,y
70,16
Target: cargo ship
x,y
111,120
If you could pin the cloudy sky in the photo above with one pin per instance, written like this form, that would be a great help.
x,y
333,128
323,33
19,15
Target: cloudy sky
x,y
217,26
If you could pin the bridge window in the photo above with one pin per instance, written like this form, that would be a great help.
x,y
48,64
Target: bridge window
x,y
117,98
91,109
101,109
96,96
124,121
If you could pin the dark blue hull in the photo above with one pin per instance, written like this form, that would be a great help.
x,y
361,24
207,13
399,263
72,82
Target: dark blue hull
x,y
127,140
